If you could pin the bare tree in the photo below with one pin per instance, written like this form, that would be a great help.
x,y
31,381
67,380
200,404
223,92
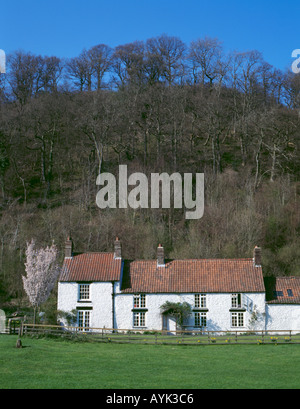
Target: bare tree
x,y
206,59
51,71
80,71
100,60
128,63
166,58
4,163
23,75
291,90
29,74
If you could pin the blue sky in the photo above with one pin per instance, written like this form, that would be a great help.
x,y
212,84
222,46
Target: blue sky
x,y
63,28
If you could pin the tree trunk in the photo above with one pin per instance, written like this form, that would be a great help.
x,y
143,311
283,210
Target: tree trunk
x,y
273,164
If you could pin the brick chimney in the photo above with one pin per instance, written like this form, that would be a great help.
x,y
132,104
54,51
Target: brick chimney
x,y
257,256
117,248
160,256
69,248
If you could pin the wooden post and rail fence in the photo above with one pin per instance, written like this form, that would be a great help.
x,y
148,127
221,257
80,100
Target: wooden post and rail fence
x,y
146,336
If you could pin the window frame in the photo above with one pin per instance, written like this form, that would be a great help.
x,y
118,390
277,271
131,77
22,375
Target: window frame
x,y
200,300
237,319
236,300
200,319
84,320
139,319
83,289
139,300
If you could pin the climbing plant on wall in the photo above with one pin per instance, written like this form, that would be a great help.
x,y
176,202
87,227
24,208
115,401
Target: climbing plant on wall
x,y
180,311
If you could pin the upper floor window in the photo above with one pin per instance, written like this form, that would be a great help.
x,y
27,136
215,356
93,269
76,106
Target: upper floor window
x,y
84,292
200,300
139,301
236,300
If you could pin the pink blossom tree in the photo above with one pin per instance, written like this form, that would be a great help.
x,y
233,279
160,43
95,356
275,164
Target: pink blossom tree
x,y
42,272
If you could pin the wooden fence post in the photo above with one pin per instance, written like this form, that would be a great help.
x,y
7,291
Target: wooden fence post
x,y
21,329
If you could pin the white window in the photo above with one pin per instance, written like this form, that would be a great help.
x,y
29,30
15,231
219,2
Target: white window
x,y
200,319
84,292
139,319
139,301
237,319
83,320
236,300
200,300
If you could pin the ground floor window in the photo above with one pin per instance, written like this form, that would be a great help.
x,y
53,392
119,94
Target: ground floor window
x,y
200,319
84,320
139,319
237,319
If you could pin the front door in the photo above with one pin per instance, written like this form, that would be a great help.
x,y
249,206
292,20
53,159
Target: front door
x,y
169,324
83,320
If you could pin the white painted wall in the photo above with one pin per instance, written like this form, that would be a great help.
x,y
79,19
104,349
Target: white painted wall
x,y
283,317
218,305
100,301
218,314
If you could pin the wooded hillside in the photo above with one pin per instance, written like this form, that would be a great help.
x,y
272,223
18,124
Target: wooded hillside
x,y
156,106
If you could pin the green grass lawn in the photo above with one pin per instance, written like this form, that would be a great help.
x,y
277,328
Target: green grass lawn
x,y
56,364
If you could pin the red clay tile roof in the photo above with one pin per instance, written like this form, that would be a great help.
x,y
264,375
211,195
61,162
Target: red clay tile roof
x,y
178,276
193,276
91,267
283,290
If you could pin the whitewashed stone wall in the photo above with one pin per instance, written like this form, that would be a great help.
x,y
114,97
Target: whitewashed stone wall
x,y
283,317
218,314
218,305
100,301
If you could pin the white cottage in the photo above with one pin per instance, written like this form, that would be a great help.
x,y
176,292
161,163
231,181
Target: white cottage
x,y
283,303
224,294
